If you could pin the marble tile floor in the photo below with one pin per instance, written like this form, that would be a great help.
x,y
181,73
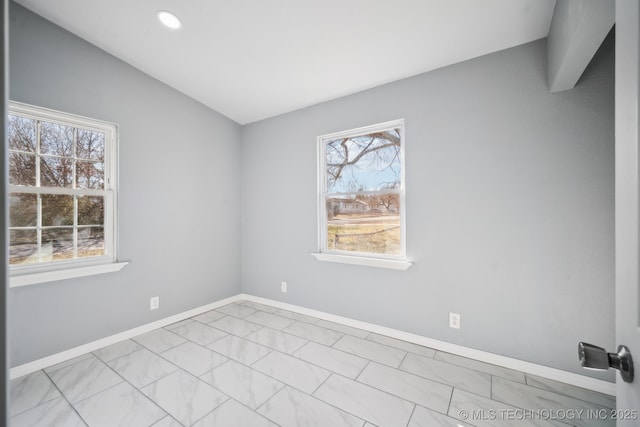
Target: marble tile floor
x,y
247,364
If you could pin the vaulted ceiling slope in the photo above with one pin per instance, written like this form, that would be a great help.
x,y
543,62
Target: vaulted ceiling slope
x,y
254,59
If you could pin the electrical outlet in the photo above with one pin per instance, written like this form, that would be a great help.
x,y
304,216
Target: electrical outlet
x,y
454,320
154,303
283,287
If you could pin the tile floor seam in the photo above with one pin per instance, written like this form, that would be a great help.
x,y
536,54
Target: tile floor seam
x,y
166,360
313,397
287,384
322,367
564,394
281,332
197,379
329,347
464,368
216,367
178,368
337,407
40,403
363,369
373,387
476,370
300,349
107,361
183,369
138,389
594,405
450,400
243,337
404,398
86,423
256,410
411,415
499,401
232,333
109,367
491,388
321,383
218,329
282,383
172,419
44,402
262,357
439,382
265,402
81,358
371,335
151,350
178,324
196,342
210,412
234,316
403,358
573,397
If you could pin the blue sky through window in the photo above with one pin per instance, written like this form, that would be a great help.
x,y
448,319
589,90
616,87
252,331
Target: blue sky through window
x,y
364,163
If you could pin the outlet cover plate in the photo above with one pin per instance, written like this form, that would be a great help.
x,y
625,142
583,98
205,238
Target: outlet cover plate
x,y
454,320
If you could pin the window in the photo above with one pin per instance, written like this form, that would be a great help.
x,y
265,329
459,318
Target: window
x,y
361,200
61,190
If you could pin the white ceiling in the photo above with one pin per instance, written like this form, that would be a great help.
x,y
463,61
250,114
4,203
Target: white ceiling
x,y
254,59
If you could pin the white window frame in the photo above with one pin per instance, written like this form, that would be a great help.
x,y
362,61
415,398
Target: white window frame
x,y
398,262
21,275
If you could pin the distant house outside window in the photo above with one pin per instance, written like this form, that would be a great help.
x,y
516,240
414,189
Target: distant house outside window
x,y
361,192
62,202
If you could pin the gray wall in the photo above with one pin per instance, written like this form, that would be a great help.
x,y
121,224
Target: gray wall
x,y
179,205
510,204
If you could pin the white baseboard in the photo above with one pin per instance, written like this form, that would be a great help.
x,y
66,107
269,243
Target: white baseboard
x,y
45,362
577,380
483,356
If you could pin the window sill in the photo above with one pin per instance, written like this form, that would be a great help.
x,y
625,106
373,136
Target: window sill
x,y
369,262
70,273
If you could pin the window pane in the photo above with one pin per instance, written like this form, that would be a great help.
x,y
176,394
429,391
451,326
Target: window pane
x,y
22,169
22,134
57,243
89,175
56,164
23,210
90,242
57,209
90,145
23,246
364,163
55,172
90,210
366,224
56,140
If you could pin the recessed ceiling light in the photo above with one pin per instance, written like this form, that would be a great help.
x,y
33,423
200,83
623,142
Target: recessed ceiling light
x,y
169,20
